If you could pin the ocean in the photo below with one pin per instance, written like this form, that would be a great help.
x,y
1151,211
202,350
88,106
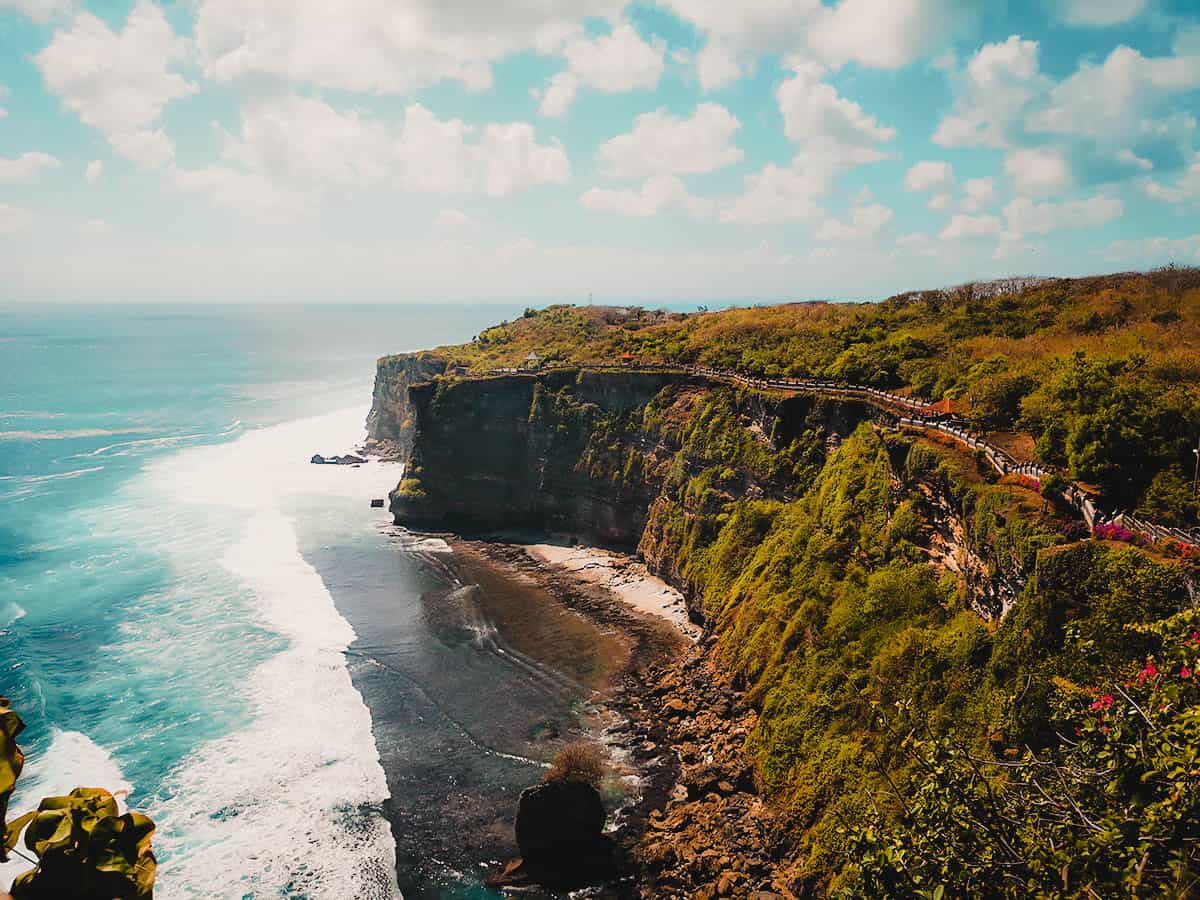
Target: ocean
x,y
191,612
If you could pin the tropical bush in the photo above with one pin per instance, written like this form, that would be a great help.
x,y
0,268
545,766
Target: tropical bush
x,y
82,847
1111,809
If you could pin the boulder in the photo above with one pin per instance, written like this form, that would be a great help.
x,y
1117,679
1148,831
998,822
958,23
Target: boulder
x,y
560,832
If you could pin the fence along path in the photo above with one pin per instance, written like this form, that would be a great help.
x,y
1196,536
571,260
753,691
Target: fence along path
x,y
910,412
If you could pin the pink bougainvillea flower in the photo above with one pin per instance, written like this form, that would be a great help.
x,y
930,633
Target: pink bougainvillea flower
x,y
1104,702
1185,672
1150,672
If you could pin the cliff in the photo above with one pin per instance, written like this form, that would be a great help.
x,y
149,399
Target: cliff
x,y
869,591
390,423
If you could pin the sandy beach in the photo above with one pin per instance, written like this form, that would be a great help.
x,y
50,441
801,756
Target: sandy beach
x,y
626,578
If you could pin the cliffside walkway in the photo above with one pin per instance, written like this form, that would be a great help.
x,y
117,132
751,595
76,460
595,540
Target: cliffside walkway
x,y
910,412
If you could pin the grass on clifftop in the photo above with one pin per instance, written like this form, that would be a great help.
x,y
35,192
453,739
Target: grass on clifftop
x,y
1102,372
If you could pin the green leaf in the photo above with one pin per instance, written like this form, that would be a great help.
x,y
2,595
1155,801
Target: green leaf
x,y
13,831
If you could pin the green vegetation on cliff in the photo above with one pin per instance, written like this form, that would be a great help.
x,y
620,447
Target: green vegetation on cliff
x,y
958,695
1101,372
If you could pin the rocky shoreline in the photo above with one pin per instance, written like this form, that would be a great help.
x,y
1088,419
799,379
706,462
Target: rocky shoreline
x,y
699,827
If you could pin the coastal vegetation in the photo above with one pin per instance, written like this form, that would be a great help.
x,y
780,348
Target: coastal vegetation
x,y
960,688
1100,372
80,845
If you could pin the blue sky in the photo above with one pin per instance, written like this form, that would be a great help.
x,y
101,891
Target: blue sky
x,y
241,150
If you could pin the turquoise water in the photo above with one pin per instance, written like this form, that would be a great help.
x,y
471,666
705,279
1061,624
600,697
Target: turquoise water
x,y
160,629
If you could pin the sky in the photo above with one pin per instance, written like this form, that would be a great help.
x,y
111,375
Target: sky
x,y
430,150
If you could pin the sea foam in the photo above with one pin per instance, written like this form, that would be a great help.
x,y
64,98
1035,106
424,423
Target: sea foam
x,y
289,804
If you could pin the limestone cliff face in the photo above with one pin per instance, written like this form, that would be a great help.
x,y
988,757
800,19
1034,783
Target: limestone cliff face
x,y
390,423
521,453
653,462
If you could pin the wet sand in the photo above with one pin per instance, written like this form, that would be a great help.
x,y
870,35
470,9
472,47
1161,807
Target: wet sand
x,y
479,662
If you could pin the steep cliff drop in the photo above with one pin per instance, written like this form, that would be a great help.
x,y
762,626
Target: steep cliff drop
x,y
858,582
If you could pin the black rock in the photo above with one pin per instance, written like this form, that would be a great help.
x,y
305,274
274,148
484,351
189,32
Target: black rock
x,y
560,831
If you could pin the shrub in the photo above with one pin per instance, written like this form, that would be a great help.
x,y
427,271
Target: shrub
x,y
581,762
83,848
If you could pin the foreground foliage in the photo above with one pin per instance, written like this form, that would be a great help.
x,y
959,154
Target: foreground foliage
x,y
1111,809
83,847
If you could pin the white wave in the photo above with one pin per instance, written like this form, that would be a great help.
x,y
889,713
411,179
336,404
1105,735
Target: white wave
x,y
69,434
30,414
127,446
57,476
10,612
289,804
72,760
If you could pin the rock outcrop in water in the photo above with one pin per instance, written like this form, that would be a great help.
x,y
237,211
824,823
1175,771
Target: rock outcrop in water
x,y
560,827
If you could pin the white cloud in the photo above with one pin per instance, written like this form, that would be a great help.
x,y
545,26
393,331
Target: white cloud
x,y
614,63
511,160
454,221
1038,171
1024,217
833,135
26,167
38,10
875,33
1121,117
14,219
1185,189
717,66
1099,12
940,202
980,193
814,113
663,144
250,194
865,221
995,88
1122,86
558,95
886,34
971,227
915,245
382,46
95,227
658,193
119,81
777,194
93,172
3,94
290,149
929,175
1156,249
307,140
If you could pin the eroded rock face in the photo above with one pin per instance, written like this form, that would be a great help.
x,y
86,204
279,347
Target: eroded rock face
x,y
390,424
560,832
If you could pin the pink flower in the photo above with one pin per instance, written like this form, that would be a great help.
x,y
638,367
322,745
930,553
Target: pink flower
x,y
1104,702
1185,672
1150,672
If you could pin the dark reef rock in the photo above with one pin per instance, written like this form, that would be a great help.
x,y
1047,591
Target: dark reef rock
x,y
347,459
560,832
